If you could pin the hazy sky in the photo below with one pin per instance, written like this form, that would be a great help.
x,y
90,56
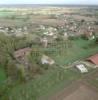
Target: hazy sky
x,y
49,2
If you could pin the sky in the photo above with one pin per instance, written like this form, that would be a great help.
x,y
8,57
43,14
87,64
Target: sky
x,y
90,2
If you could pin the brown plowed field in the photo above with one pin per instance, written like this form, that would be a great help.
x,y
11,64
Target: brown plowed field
x,y
78,91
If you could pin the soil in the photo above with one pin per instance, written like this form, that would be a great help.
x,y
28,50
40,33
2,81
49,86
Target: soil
x,y
77,91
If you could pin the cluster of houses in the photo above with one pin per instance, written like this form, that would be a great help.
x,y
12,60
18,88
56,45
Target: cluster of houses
x,y
70,28
77,28
21,57
14,31
49,35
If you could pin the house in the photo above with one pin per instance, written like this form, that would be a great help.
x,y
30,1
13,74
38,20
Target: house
x,y
47,60
42,27
90,33
65,37
93,59
50,31
82,68
44,42
21,53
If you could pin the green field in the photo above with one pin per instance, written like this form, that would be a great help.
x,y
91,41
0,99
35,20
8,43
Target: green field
x,y
2,81
2,75
53,80
81,49
6,14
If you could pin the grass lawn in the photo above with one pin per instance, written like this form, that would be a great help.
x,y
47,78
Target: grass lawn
x,y
53,80
2,82
81,49
2,75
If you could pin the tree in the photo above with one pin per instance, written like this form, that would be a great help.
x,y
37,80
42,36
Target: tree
x,y
21,73
11,70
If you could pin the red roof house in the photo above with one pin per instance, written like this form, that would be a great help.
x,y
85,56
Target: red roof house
x,y
22,52
93,59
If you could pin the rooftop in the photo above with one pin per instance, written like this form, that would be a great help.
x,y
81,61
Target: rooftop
x,y
93,59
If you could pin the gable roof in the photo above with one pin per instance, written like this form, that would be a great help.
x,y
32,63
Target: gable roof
x,y
93,59
21,52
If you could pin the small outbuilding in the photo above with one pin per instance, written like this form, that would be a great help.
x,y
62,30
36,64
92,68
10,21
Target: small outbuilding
x,y
47,60
82,68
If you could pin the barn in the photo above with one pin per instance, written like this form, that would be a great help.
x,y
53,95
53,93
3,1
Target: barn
x,y
93,59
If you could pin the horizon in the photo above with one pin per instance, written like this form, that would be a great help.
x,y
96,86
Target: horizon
x,y
44,5
49,2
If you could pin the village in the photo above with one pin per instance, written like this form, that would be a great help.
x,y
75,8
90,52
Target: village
x,y
50,46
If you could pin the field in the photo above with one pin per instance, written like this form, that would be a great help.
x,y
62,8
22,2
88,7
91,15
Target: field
x,y
2,75
81,49
79,92
93,80
79,17
2,80
83,92
5,14
52,81
83,89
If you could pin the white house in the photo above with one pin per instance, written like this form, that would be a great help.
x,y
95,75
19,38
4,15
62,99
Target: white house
x,y
65,37
47,60
44,41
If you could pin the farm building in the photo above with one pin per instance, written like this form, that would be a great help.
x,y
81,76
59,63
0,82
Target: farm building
x,y
93,59
47,60
21,53
82,68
